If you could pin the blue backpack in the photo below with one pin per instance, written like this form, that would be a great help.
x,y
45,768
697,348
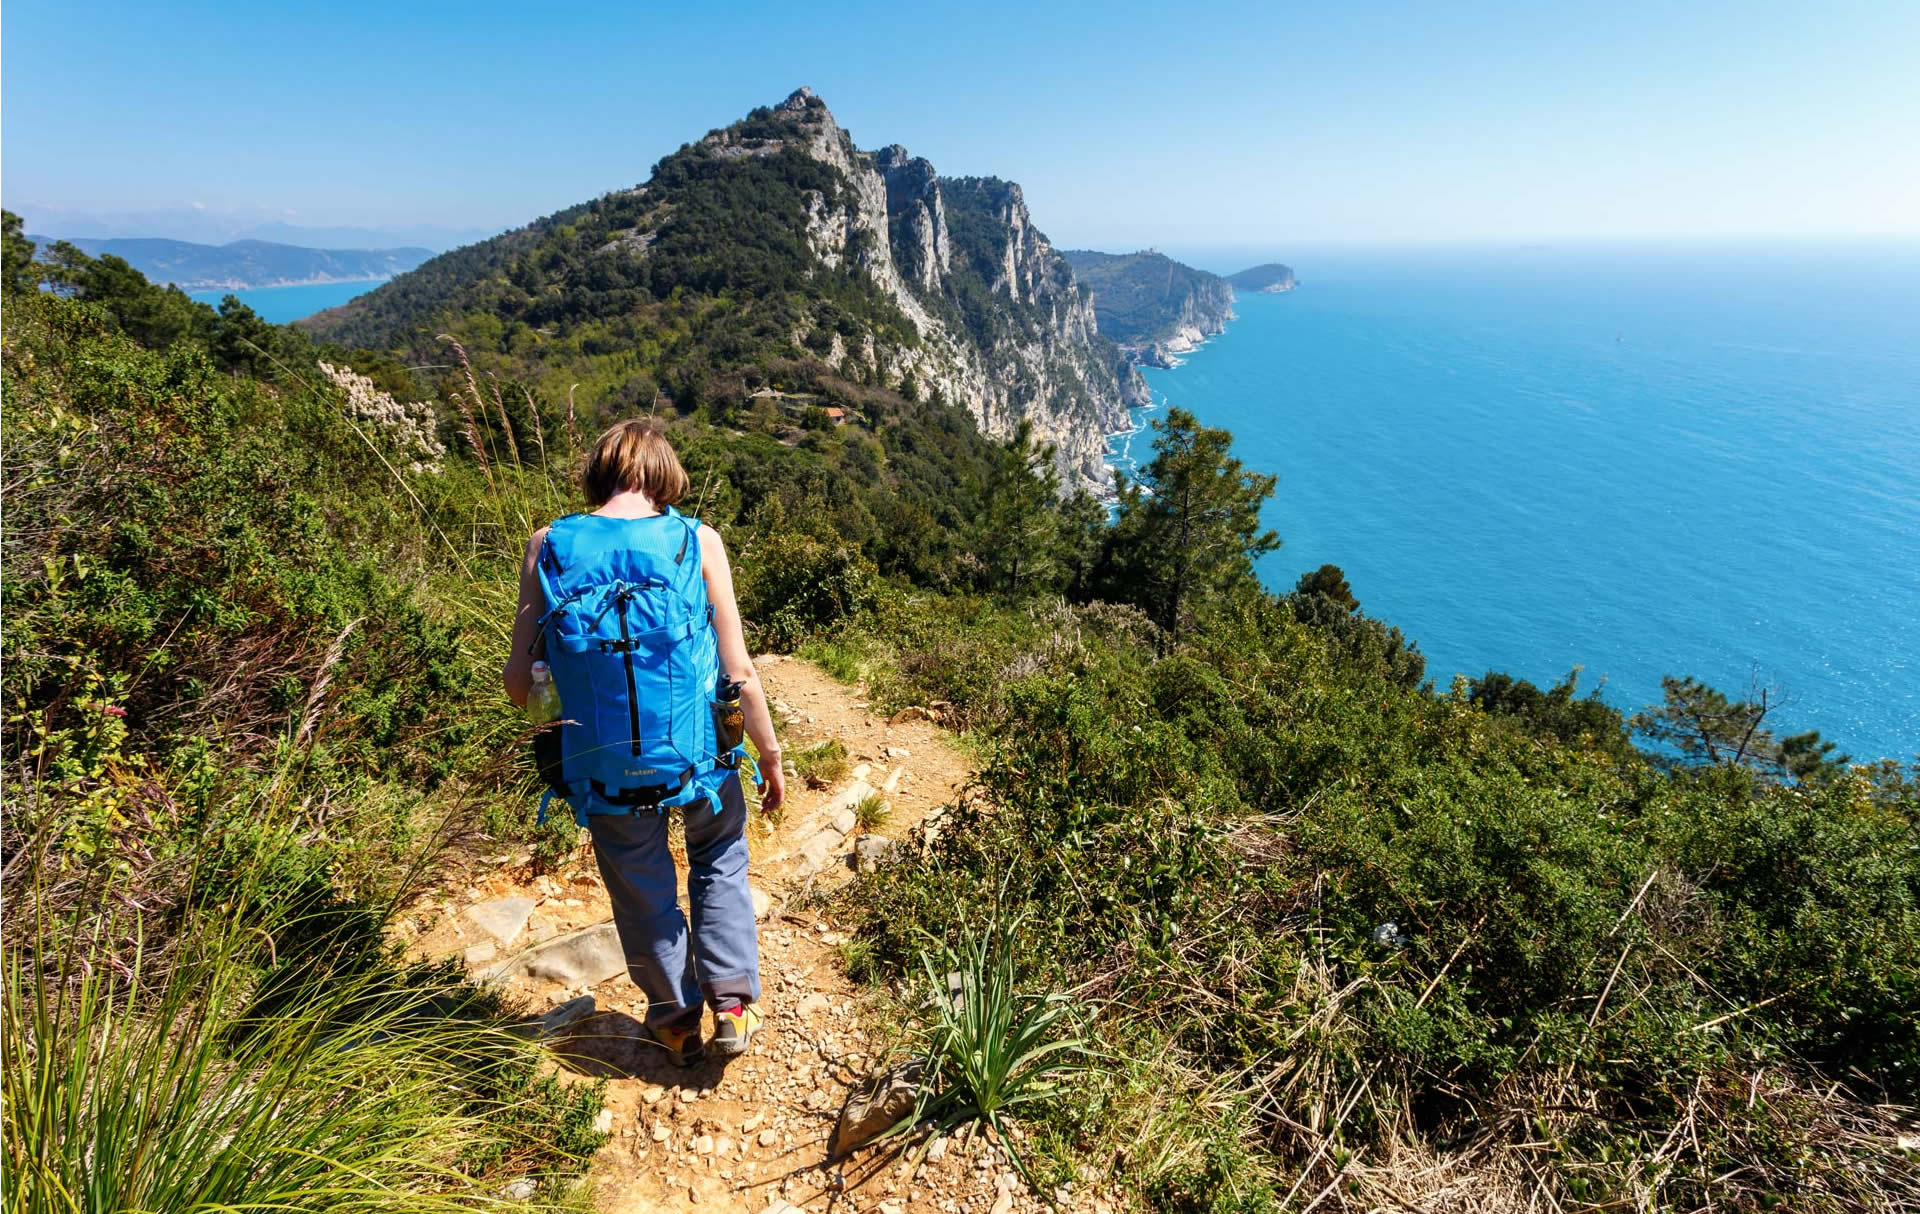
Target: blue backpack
x,y
629,635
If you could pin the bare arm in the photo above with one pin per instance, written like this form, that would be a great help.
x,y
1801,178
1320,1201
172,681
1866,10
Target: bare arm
x,y
738,664
518,676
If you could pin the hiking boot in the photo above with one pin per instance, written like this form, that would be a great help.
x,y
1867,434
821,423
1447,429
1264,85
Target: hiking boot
x,y
681,1044
734,1028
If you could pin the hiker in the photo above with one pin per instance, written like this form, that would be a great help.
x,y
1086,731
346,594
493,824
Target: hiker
x,y
631,606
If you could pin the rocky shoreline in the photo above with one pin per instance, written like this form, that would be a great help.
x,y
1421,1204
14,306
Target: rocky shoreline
x,y
230,284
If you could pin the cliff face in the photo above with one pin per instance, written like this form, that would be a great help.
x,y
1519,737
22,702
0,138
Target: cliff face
x,y
1004,328
1155,307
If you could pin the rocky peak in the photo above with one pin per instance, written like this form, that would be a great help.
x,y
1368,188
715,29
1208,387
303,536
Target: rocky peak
x,y
917,216
798,101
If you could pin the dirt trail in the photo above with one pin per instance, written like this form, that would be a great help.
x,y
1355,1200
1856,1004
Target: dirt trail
x,y
750,1135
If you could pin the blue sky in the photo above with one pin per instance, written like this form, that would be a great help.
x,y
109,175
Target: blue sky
x,y
1267,125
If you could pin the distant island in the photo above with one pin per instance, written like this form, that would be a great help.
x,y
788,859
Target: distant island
x,y
1267,279
245,264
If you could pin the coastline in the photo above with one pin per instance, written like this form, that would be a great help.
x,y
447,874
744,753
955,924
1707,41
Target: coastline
x,y
204,287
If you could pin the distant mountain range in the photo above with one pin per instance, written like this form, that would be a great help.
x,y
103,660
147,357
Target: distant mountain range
x,y
204,225
247,263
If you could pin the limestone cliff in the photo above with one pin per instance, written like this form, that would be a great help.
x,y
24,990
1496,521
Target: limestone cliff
x,y
1004,328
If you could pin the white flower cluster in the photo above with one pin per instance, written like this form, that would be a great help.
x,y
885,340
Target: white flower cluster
x,y
408,425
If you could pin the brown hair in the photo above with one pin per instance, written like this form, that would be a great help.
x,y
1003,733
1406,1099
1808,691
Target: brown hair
x,y
634,455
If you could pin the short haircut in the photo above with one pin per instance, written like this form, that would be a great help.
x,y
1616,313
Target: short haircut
x,y
634,455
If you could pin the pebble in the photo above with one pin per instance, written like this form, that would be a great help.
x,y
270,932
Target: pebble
x,y
814,1005
768,1137
662,1131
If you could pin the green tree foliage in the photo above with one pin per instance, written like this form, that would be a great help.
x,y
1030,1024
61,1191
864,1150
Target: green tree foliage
x,y
1559,712
1018,530
1323,599
17,269
1699,726
1188,531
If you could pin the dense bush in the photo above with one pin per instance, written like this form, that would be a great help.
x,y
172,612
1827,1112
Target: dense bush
x,y
1296,870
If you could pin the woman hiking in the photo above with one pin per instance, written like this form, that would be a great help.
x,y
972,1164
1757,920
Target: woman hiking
x,y
632,607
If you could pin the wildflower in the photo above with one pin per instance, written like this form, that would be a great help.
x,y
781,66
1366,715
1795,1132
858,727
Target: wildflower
x,y
407,425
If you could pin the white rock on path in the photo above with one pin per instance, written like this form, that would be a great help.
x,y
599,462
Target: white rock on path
x,y
814,1005
557,1020
501,918
582,958
762,903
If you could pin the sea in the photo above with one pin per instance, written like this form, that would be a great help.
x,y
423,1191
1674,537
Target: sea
x,y
283,305
1634,461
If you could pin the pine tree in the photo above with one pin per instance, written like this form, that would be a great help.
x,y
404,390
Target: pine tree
x,y
1017,531
1188,530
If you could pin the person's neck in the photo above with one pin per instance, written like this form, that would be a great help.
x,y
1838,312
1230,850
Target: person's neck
x,y
629,503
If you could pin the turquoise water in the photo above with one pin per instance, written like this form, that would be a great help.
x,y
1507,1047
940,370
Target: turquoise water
x,y
1640,461
280,305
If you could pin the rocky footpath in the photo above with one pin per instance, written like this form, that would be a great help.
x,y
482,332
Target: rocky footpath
x,y
755,1135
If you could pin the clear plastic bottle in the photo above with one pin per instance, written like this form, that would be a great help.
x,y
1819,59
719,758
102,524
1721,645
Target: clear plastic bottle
x,y
543,698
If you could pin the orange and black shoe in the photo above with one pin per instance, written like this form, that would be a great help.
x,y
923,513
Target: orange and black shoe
x,y
682,1044
734,1029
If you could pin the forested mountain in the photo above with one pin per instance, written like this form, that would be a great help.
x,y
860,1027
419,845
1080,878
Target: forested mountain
x,y
770,256
246,263
1151,304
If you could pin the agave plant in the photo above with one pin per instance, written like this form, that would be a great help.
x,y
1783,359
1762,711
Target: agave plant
x,y
991,1048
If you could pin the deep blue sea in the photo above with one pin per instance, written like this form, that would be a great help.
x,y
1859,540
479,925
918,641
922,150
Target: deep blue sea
x,y
280,305
1636,460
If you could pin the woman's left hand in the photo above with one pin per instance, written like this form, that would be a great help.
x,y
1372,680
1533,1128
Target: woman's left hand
x,y
773,783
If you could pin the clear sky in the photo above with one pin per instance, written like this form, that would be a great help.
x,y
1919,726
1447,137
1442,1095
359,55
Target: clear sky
x,y
1128,124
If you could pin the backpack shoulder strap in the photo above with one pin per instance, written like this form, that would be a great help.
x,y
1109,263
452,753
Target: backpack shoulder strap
x,y
687,541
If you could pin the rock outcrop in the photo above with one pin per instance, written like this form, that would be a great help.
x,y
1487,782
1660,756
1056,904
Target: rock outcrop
x,y
1005,329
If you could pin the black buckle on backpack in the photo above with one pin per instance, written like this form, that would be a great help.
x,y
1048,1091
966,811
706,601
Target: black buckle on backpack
x,y
643,796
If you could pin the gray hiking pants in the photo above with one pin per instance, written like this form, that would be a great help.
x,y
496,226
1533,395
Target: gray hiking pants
x,y
723,962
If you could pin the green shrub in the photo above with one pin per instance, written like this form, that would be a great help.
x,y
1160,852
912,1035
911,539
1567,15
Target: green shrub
x,y
799,586
823,764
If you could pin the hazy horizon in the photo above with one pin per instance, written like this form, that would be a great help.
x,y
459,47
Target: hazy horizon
x,y
1400,124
